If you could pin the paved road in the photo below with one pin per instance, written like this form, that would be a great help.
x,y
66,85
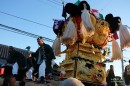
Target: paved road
x,y
30,83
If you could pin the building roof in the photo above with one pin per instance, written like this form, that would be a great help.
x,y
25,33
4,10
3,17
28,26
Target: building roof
x,y
4,51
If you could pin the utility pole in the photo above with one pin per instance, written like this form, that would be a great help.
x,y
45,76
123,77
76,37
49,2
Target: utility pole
x,y
122,63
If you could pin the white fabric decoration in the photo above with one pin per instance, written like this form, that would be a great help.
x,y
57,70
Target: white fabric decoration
x,y
124,37
70,34
56,46
116,50
85,16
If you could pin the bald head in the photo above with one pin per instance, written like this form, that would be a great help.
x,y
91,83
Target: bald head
x,y
71,82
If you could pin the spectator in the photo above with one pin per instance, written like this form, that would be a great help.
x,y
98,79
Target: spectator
x,y
71,82
127,74
110,76
18,62
9,81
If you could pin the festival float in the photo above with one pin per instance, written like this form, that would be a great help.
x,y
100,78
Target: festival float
x,y
86,34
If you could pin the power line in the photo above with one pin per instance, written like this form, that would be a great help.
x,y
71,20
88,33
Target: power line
x,y
126,57
23,32
105,5
18,31
127,50
55,2
61,1
64,1
127,26
25,19
58,1
43,2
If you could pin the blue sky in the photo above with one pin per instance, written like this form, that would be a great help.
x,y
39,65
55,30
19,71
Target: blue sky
x,y
44,11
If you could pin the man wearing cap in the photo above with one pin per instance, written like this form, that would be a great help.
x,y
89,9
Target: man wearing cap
x,y
44,57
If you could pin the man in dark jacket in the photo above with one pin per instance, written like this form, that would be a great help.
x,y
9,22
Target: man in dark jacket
x,y
18,62
110,76
44,57
17,59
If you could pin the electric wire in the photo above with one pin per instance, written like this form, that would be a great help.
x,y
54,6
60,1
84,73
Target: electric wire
x,y
15,30
25,19
55,3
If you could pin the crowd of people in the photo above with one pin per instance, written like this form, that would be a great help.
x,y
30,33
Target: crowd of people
x,y
113,81
39,64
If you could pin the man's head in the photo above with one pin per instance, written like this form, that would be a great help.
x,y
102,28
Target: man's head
x,y
40,41
129,61
111,66
10,49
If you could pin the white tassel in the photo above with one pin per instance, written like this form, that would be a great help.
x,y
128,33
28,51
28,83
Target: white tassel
x,y
87,21
124,37
84,34
57,46
116,50
70,34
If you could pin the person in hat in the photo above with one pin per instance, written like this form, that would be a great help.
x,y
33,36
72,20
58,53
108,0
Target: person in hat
x,y
44,58
127,74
